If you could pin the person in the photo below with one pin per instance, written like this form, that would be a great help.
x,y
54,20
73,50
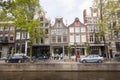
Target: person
x,y
61,56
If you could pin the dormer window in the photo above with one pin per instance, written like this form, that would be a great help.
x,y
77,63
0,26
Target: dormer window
x,y
59,24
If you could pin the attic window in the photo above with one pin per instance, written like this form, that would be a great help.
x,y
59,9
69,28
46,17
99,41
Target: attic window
x,y
59,24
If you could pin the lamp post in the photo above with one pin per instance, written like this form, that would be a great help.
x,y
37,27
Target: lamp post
x,y
75,44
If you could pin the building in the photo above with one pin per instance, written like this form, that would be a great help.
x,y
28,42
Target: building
x,y
21,41
42,44
114,31
95,41
78,37
7,38
58,37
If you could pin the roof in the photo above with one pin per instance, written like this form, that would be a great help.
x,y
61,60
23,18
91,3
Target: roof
x,y
76,23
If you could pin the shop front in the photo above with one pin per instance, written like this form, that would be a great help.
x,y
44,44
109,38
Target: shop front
x,y
40,50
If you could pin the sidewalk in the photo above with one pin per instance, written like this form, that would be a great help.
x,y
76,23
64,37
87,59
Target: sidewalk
x,y
2,61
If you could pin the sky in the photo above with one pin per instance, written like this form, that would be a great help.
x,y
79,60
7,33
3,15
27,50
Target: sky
x,y
67,9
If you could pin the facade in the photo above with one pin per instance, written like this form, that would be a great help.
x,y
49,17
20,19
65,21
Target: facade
x,y
58,37
95,41
114,32
78,37
7,38
21,41
42,44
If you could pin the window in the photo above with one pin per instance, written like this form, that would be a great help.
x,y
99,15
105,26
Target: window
x,y
53,39
83,38
6,39
53,31
18,35
91,38
59,24
41,19
46,24
12,28
82,29
101,38
42,40
11,38
23,35
77,29
71,38
64,38
77,38
1,28
6,28
46,31
71,29
59,38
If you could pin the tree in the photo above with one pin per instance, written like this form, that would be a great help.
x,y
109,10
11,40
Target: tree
x,y
23,13
107,15
69,51
87,49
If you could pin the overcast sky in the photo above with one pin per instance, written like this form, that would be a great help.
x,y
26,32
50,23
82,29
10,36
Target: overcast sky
x,y
68,9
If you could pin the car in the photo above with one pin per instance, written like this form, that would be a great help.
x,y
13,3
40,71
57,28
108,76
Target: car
x,y
92,58
117,57
42,57
17,59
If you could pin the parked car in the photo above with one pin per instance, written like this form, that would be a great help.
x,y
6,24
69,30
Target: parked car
x,y
92,58
17,59
117,57
42,57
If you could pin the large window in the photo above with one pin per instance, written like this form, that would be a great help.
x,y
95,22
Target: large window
x,y
53,39
91,38
77,38
59,38
23,35
71,29
77,29
71,38
83,38
64,38
82,29
18,35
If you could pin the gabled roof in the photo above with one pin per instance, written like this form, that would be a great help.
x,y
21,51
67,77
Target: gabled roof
x,y
76,23
59,19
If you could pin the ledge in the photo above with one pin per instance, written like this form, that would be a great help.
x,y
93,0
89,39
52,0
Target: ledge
x,y
60,67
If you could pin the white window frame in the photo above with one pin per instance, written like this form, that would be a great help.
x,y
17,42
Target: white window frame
x,y
78,38
83,37
72,38
83,29
71,29
77,29
18,35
